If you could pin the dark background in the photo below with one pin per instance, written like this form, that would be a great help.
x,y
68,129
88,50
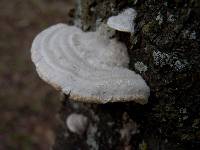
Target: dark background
x,y
27,104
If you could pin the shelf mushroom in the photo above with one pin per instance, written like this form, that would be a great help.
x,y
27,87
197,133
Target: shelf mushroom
x,y
87,66
124,21
77,123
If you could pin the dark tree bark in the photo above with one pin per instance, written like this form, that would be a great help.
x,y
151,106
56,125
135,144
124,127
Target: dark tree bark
x,y
167,41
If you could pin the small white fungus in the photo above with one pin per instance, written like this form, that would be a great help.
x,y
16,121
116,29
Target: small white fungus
x,y
77,123
124,21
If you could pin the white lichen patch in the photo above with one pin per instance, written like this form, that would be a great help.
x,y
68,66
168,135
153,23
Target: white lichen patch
x,y
124,21
161,59
129,128
193,36
178,65
140,66
159,18
92,68
171,18
91,138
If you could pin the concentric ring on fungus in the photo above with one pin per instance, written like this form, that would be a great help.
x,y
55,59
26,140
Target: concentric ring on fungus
x,y
86,65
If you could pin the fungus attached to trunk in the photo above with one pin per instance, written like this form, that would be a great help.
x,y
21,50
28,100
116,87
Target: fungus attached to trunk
x,y
87,66
77,123
124,21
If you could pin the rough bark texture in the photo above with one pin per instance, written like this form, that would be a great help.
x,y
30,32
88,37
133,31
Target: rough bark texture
x,y
167,41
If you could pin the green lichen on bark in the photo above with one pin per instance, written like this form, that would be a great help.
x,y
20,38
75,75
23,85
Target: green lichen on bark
x,y
168,42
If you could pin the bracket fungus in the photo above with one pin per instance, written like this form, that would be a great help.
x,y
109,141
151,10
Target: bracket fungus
x,y
87,66
124,21
77,123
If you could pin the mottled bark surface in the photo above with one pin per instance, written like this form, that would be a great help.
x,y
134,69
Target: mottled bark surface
x,y
167,42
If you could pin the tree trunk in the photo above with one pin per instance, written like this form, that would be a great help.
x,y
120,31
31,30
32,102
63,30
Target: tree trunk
x,y
167,41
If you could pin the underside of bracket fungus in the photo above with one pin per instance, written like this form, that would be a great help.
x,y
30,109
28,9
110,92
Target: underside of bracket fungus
x,y
124,21
87,66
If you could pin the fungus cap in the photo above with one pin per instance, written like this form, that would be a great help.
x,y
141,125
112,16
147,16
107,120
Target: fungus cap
x,y
90,68
77,123
124,21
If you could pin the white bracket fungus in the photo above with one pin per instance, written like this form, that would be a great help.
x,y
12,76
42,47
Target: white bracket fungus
x,y
86,65
77,123
124,21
